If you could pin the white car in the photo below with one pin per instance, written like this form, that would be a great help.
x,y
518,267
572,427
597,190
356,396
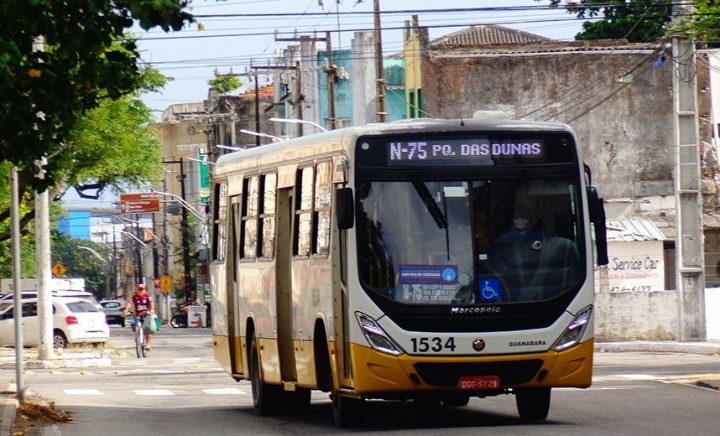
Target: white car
x,y
75,320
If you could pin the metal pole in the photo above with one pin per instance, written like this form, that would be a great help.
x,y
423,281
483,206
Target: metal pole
x,y
17,307
185,237
257,110
299,97
380,80
331,83
138,252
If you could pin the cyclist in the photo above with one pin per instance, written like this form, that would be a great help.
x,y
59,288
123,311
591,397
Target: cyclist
x,y
144,305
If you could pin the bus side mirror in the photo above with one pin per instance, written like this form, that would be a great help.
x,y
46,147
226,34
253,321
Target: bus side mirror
x,y
597,217
344,208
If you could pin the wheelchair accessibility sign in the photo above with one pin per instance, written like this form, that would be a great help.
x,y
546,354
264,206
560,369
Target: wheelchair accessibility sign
x,y
489,290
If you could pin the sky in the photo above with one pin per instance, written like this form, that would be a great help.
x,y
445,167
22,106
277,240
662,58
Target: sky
x,y
230,42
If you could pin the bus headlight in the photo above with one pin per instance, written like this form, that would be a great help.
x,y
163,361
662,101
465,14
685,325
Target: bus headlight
x,y
376,336
574,331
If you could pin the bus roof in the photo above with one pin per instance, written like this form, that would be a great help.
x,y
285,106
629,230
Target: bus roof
x,y
332,142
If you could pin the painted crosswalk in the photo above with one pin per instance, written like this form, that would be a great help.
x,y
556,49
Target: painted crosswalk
x,y
158,392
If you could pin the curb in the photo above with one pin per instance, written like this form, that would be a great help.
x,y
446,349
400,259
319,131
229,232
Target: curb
x,y
704,348
8,408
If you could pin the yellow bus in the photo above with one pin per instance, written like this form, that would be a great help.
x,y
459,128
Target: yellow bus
x,y
426,260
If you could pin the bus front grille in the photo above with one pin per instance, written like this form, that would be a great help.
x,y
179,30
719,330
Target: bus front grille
x,y
448,374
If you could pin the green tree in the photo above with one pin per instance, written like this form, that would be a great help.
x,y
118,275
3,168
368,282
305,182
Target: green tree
x,y
110,146
81,262
702,24
224,83
86,59
634,20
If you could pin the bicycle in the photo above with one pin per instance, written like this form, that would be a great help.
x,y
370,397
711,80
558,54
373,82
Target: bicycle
x,y
139,336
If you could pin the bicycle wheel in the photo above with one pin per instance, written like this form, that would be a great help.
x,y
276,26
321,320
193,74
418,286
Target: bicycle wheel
x,y
139,341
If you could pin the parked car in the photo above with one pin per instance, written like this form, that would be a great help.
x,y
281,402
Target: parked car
x,y
75,320
113,312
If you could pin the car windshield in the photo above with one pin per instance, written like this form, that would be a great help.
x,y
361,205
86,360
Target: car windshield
x,y
82,306
454,242
110,304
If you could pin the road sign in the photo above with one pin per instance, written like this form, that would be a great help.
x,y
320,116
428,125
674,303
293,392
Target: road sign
x,y
139,203
166,283
58,270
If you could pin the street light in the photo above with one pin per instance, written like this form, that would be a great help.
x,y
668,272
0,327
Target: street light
x,y
230,147
294,121
134,237
262,135
95,253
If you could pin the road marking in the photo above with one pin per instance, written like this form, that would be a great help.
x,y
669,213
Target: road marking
x,y
82,392
186,360
620,377
225,391
153,392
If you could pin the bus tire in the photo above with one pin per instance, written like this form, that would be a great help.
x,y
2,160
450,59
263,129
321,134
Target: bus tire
x,y
297,401
533,404
266,397
347,411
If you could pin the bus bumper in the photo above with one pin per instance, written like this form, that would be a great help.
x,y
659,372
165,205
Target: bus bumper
x,y
381,375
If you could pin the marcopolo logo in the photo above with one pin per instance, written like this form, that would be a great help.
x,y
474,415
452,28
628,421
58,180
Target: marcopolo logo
x,y
477,310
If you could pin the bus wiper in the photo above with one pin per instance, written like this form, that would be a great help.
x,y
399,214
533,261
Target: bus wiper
x,y
430,204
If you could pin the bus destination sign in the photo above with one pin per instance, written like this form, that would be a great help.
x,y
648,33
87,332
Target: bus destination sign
x,y
461,152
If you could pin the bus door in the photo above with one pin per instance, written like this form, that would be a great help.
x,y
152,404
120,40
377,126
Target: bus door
x,y
283,283
233,297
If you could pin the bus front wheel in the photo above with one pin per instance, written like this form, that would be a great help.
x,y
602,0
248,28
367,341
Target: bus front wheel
x,y
347,411
533,404
266,397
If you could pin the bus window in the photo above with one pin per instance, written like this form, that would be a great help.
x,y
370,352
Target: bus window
x,y
323,196
303,212
249,236
267,221
218,229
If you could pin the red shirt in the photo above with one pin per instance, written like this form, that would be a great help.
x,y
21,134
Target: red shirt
x,y
142,302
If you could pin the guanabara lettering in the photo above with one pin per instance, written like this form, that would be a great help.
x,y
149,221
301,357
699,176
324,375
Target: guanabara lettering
x,y
526,343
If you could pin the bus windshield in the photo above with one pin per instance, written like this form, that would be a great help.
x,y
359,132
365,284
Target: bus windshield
x,y
470,241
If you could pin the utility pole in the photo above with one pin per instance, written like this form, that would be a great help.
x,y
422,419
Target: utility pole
x,y
42,248
298,97
379,80
138,253
689,242
331,72
17,296
185,226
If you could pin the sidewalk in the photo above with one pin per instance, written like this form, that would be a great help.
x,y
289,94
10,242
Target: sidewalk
x,y
80,358
87,359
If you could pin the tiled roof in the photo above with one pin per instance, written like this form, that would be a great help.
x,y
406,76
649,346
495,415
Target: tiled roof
x,y
633,230
484,35
666,223
176,111
266,91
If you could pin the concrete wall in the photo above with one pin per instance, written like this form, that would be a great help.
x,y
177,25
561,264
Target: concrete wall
x,y
618,102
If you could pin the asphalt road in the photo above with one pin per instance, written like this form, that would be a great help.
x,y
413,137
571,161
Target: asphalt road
x,y
179,390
